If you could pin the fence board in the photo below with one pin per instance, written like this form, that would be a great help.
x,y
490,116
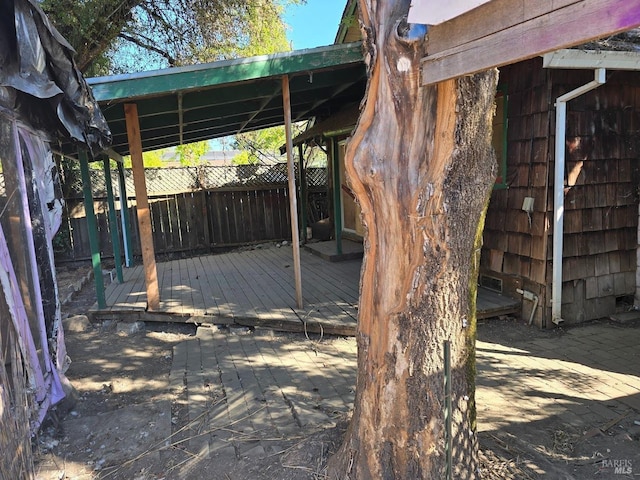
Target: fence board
x,y
242,211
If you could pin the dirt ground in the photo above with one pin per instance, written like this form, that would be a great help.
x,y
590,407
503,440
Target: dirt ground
x,y
115,429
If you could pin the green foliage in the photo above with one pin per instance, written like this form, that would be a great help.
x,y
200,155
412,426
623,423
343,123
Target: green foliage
x,y
190,154
264,145
243,158
259,146
117,36
152,159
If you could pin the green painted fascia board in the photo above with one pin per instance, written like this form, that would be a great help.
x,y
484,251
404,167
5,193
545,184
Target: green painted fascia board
x,y
131,86
343,28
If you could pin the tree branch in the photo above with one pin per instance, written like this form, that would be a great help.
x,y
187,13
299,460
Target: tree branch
x,y
137,41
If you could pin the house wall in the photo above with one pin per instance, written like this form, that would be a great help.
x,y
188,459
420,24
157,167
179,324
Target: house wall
x,y
601,205
515,243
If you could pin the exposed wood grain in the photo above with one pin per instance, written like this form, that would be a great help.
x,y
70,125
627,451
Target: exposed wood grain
x,y
142,203
485,37
331,293
495,16
295,234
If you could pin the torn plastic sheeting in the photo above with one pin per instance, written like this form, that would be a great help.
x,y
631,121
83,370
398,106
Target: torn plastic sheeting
x,y
38,61
26,150
19,317
31,56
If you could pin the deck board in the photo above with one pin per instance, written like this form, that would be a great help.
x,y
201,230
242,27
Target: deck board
x,y
257,287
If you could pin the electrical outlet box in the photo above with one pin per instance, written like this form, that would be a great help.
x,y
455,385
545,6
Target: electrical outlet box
x,y
527,204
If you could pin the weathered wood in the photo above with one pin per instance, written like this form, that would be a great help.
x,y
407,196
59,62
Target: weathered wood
x,y
508,31
92,228
142,207
295,233
420,163
113,220
538,271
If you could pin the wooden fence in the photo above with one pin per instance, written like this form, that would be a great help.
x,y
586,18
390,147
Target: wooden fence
x,y
192,220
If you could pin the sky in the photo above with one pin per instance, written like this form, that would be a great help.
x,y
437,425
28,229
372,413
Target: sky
x,y
314,23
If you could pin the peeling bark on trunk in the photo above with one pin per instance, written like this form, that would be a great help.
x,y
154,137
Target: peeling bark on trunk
x,y
421,165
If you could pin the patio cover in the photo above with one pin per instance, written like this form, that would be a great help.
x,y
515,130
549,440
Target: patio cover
x,y
201,102
163,108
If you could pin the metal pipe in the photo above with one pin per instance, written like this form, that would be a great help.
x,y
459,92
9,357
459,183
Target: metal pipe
x,y
558,189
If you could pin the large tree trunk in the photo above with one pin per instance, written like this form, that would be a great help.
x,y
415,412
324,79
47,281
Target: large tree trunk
x,y
421,165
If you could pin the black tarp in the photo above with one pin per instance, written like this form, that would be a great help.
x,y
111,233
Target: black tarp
x,y
40,82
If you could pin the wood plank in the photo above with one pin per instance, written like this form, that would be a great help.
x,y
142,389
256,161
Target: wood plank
x,y
173,224
329,298
135,297
219,284
142,203
273,262
293,206
196,285
495,260
185,291
493,304
121,292
496,16
218,225
508,31
255,287
209,291
247,275
206,239
241,305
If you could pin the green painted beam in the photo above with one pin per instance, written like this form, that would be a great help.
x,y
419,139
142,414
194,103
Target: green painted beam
x,y
167,137
92,226
304,200
337,197
132,86
113,219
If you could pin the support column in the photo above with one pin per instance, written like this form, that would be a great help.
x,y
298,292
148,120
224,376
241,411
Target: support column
x,y
113,219
142,206
92,226
337,196
295,237
124,217
304,198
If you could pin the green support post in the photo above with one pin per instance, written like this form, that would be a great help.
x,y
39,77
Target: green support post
x,y
304,199
92,226
337,197
124,215
113,219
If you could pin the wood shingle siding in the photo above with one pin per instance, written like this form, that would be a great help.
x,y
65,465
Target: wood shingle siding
x,y
601,203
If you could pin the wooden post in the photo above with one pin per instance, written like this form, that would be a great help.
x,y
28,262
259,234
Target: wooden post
x,y
337,195
304,199
92,226
113,219
124,215
142,206
295,237
207,222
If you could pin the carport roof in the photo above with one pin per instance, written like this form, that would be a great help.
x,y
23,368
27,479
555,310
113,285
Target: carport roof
x,y
200,102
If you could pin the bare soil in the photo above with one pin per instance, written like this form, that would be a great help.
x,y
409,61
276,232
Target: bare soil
x,y
117,427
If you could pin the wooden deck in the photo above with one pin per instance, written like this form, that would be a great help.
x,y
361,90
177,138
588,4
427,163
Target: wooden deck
x,y
256,288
